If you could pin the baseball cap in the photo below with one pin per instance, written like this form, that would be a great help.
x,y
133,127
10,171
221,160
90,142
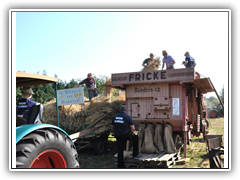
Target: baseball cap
x,y
123,108
164,52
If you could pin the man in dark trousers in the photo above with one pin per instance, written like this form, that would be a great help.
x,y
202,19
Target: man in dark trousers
x,y
123,129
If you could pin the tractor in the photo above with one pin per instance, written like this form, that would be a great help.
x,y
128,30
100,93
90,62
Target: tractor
x,y
42,145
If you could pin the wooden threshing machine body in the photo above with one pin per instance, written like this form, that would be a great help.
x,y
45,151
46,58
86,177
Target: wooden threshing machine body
x,y
174,96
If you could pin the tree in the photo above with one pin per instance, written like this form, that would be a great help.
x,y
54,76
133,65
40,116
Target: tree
x,y
71,84
212,102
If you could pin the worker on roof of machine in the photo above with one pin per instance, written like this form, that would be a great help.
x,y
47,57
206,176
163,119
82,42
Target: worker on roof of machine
x,y
148,60
91,85
189,61
168,60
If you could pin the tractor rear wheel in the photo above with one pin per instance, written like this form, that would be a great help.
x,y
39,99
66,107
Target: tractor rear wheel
x,y
46,148
213,114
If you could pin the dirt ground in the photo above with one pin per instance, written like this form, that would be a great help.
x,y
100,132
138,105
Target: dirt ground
x,y
196,152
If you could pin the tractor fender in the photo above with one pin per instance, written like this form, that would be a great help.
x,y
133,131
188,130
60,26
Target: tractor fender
x,y
22,131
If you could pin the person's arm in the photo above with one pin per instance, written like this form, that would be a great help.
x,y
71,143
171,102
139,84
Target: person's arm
x,y
163,65
144,63
32,103
172,63
132,128
112,125
172,60
82,82
95,86
186,60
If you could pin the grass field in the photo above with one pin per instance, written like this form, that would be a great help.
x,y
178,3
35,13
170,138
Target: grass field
x,y
196,151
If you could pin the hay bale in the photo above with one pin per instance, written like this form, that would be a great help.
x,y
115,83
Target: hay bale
x,y
153,65
76,115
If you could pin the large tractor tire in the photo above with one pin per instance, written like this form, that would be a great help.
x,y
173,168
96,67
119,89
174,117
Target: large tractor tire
x,y
46,148
213,114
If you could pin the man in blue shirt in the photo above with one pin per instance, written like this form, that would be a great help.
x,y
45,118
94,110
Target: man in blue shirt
x,y
189,61
168,60
123,129
24,106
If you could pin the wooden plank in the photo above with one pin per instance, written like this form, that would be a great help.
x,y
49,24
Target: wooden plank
x,y
145,156
157,157
150,157
125,154
167,159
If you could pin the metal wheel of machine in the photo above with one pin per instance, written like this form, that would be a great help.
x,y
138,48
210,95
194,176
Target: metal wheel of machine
x,y
99,146
46,148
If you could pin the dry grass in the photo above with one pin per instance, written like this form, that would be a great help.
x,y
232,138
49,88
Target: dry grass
x,y
197,150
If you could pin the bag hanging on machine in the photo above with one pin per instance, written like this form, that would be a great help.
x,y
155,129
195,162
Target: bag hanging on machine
x,y
168,140
141,130
148,144
158,138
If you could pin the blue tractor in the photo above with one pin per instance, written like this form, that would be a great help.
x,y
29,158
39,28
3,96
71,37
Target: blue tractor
x,y
42,145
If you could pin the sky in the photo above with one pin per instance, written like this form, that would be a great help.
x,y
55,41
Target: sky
x,y
72,44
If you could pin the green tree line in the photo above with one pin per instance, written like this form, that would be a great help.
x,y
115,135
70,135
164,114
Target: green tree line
x,y
213,102
46,92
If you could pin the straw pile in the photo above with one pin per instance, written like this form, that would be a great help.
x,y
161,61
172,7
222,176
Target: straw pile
x,y
153,65
75,117
108,89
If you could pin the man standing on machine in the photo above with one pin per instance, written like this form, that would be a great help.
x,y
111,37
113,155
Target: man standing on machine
x,y
91,85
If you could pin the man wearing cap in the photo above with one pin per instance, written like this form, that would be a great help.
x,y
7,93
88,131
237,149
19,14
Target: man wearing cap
x,y
168,60
24,106
91,85
123,129
148,60
189,61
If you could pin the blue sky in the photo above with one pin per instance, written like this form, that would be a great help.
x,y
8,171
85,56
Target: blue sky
x,y
71,44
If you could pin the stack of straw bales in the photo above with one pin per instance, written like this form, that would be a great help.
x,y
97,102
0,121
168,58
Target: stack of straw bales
x,y
153,65
75,117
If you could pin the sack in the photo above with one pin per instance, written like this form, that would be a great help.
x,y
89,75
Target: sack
x,y
141,130
158,138
168,140
148,144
